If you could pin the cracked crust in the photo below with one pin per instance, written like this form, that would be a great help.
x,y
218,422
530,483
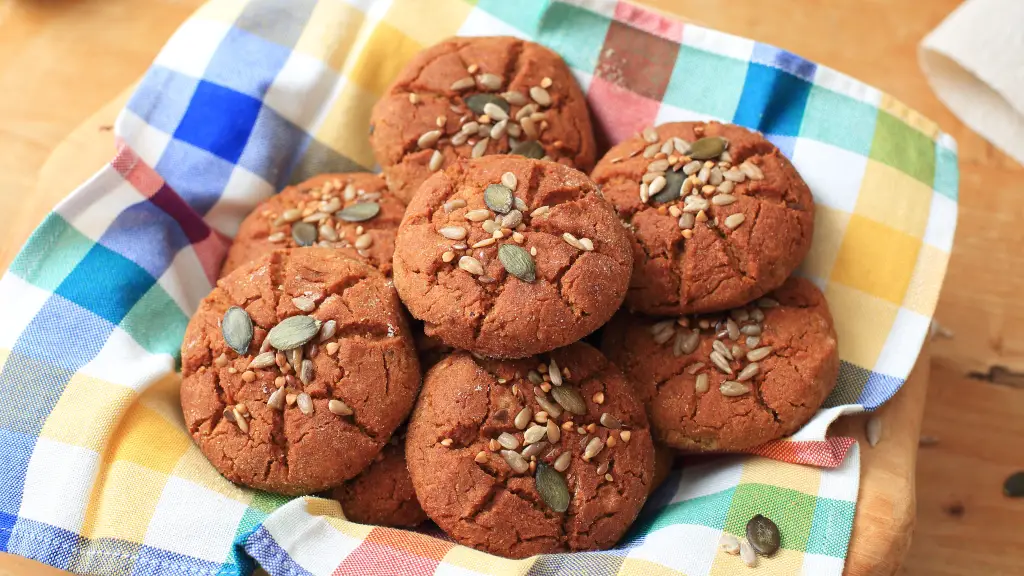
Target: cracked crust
x,y
487,505
374,371
382,495
575,292
717,268
791,386
397,123
251,241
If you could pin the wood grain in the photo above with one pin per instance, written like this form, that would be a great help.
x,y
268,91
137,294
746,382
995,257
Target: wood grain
x,y
64,66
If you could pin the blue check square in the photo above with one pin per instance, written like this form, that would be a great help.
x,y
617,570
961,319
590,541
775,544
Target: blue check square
x,y
773,101
218,120
162,98
104,283
246,63
198,176
274,148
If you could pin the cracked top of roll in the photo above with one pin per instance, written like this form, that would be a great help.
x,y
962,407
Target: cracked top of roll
x,y
719,216
728,381
508,257
296,369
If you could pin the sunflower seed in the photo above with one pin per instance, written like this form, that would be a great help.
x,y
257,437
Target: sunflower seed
x,y
726,187
737,351
515,461
686,221
240,420
767,303
515,98
661,326
694,204
553,409
540,96
436,159
534,434
328,329
363,241
692,167
293,332
609,421
568,398
703,175
748,372
535,449
276,400
572,241
552,487
758,354
732,221
734,175
359,212
508,441
554,432
462,84
665,334
479,149
873,428
291,215
753,341
722,349
733,328
733,388
751,330
720,362
593,448
306,372
327,232
747,554
263,360
276,237
305,403
763,535
453,232
554,373
428,139
724,200
752,171
686,342
304,303
562,462
729,544
496,112
236,327
658,166
512,219
707,148
701,384
650,134
481,103
338,407
523,418
471,265
517,262
539,212
529,149
491,226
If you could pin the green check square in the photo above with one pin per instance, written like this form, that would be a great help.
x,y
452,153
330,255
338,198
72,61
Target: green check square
x,y
156,322
707,83
51,253
707,511
839,120
947,173
792,512
575,33
830,532
904,148
522,16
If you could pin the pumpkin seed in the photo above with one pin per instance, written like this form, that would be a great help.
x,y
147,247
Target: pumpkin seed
x,y
708,148
517,262
293,332
498,197
236,327
552,488
568,398
1014,485
477,102
763,535
359,212
529,149
673,184
304,233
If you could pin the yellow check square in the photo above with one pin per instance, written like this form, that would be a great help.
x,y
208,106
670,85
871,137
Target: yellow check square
x,y
912,117
641,567
764,471
381,58
330,33
925,284
862,323
222,11
147,439
345,127
876,259
471,559
892,197
123,501
105,402
428,26
829,229
195,468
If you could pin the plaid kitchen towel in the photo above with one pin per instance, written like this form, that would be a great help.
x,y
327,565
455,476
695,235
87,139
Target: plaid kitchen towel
x,y
99,474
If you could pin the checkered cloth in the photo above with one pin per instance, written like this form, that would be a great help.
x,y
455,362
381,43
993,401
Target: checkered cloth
x,y
99,474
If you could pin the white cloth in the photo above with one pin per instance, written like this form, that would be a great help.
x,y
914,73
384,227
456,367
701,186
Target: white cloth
x,y
974,61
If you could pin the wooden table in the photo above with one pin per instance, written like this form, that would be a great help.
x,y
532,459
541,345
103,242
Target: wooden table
x,y
66,68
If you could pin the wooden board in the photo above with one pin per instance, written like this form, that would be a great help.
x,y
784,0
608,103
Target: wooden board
x,y
63,43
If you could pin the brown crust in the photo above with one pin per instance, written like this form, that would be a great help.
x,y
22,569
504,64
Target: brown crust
x,y
374,371
251,241
575,292
792,384
717,268
490,507
382,495
397,123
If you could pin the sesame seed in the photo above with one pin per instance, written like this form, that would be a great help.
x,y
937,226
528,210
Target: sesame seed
x,y
338,407
471,265
331,348
572,241
435,161
540,96
463,83
533,251
453,232
428,139
732,221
